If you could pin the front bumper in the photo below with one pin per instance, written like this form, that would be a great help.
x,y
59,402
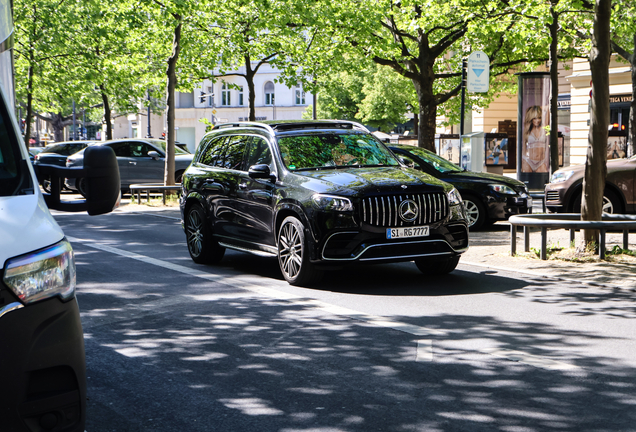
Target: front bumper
x,y
504,206
370,244
555,197
43,365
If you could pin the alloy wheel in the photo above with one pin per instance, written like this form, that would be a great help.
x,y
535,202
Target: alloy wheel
x,y
472,212
194,233
290,246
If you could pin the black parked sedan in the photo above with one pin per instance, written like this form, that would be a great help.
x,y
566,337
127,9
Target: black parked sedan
x,y
139,161
56,154
316,195
487,197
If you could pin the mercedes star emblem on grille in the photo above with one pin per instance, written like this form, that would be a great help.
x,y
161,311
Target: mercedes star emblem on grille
x,y
408,210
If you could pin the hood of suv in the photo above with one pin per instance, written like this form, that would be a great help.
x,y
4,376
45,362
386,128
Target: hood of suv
x,y
485,178
368,180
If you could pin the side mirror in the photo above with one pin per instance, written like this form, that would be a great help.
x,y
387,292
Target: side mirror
x,y
154,154
260,171
101,174
103,190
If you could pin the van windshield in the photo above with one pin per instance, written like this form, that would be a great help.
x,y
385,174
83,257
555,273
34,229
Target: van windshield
x,y
15,176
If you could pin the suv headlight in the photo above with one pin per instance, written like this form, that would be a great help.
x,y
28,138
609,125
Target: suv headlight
x,y
43,274
503,189
331,202
454,198
561,176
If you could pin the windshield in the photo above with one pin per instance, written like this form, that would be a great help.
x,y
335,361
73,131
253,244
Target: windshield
x,y
64,149
162,144
15,176
439,163
333,150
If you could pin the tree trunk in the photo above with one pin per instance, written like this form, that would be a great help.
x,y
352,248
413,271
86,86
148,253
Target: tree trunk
x,y
554,79
58,125
428,113
29,113
596,163
251,95
168,178
107,113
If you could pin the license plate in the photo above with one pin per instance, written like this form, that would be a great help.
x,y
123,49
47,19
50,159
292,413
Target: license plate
x,y
396,233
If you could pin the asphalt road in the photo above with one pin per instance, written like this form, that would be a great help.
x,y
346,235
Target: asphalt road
x,y
176,346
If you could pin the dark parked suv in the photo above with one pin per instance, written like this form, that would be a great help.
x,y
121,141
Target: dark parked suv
x,y
316,195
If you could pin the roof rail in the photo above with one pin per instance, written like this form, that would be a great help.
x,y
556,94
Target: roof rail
x,y
244,124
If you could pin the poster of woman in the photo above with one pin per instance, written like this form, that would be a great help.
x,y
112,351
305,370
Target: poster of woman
x,y
534,122
535,151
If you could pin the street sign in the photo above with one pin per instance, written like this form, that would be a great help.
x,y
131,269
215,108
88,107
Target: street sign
x,y
478,74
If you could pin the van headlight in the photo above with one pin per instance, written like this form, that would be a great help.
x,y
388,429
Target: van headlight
x,y
454,198
331,202
46,273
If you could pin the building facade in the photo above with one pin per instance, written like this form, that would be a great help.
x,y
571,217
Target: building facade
x,y
225,100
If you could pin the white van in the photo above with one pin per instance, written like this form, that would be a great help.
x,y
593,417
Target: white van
x,y
43,384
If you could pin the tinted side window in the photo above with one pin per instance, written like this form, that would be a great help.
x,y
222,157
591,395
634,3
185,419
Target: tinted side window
x,y
121,149
258,152
234,154
212,151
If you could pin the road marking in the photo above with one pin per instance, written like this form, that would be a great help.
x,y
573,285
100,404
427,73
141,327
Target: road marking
x,y
250,283
526,358
424,350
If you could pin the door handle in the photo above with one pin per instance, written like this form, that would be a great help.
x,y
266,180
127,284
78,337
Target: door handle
x,y
131,162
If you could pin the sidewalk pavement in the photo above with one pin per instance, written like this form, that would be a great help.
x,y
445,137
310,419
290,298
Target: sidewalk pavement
x,y
490,249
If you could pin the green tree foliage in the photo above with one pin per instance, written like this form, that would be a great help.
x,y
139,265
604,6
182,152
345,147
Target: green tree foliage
x,y
113,59
371,94
426,41
40,33
239,37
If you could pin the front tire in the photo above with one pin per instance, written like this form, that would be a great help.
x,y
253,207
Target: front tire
x,y
612,204
437,267
475,213
293,254
202,247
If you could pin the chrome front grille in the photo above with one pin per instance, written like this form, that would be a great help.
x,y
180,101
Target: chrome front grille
x,y
384,211
552,196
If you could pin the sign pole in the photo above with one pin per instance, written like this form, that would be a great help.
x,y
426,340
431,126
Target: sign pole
x,y
463,104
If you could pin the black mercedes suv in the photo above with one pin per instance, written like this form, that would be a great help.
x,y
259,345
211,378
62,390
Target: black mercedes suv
x,y
316,194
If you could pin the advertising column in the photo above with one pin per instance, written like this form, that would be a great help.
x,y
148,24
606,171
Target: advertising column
x,y
533,139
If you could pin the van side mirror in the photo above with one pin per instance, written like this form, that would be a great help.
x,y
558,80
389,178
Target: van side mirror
x,y
103,187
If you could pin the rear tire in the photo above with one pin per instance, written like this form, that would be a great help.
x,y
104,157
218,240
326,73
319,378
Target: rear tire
x,y
202,247
82,187
293,254
437,267
46,184
475,212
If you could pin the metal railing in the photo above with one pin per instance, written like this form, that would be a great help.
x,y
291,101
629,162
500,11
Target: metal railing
x,y
138,188
572,222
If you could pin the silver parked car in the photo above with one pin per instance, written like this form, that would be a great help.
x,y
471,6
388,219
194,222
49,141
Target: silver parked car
x,y
139,160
